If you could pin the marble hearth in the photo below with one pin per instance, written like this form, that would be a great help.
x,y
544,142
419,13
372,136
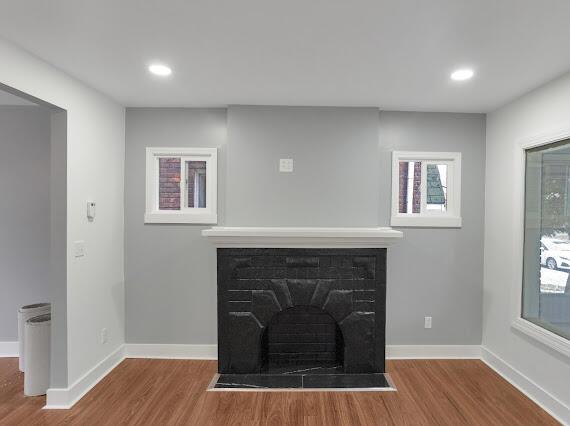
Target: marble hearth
x,y
301,308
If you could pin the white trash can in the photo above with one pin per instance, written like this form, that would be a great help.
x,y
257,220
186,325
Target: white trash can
x,y
37,336
24,314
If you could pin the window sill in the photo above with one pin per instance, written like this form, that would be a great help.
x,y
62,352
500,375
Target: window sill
x,y
195,218
547,338
427,221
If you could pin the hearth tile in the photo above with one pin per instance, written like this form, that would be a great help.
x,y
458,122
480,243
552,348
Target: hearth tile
x,y
301,369
372,380
263,381
318,370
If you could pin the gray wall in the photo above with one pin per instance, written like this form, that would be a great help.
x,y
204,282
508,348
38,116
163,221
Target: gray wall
x,y
436,272
341,178
170,270
24,212
542,112
335,180
58,248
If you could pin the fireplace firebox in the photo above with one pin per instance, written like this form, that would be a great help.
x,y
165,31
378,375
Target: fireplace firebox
x,y
302,338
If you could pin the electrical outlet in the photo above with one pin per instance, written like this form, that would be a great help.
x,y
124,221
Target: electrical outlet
x,y
427,322
286,165
103,336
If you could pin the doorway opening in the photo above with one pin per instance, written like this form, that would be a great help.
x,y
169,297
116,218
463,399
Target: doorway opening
x,y
33,222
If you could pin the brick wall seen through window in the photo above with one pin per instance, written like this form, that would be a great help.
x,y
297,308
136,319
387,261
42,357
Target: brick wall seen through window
x,y
169,184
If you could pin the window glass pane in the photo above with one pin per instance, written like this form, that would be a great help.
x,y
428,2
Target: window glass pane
x,y
436,187
169,183
410,179
546,290
196,184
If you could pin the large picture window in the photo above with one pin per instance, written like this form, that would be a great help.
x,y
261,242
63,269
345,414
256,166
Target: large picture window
x,y
546,258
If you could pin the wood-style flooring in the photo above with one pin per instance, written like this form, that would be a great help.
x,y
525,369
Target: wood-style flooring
x,y
164,392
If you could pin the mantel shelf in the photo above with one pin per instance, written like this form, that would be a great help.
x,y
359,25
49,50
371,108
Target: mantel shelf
x,y
290,237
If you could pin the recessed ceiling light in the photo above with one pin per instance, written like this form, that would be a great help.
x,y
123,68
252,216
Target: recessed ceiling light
x,y
462,74
160,69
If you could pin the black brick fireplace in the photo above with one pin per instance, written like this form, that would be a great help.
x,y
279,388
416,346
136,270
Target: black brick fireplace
x,y
301,317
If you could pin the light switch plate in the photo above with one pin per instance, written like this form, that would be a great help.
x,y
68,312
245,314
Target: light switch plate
x,y
286,165
427,322
79,248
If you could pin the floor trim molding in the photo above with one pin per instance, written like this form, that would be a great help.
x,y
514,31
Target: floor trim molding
x,y
65,398
433,351
170,351
183,351
537,394
9,349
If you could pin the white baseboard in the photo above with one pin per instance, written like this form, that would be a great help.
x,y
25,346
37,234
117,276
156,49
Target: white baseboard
x,y
182,351
433,351
545,400
171,351
9,349
64,398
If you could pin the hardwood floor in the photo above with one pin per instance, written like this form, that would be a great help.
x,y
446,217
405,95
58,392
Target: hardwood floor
x,y
160,392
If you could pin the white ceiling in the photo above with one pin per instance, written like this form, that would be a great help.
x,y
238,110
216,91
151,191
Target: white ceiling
x,y
394,54
7,99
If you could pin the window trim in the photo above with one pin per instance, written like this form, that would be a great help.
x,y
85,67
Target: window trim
x,y
196,215
449,219
537,333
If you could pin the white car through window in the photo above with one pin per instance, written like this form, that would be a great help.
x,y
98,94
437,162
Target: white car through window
x,y
555,254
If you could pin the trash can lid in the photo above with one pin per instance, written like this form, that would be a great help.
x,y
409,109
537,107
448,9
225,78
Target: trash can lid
x,y
34,306
39,319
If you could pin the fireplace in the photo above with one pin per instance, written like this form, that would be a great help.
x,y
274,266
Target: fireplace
x,y
301,317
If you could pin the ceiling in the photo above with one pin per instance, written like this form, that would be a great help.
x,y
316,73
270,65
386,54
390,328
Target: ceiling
x,y
7,99
393,54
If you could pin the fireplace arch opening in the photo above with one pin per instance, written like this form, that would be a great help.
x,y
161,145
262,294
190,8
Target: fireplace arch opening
x,y
302,338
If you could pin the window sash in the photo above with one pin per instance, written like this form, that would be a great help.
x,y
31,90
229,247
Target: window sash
x,y
449,188
423,186
183,183
451,217
202,215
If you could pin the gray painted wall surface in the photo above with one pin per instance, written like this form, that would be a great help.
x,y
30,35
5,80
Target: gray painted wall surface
x,y
436,272
341,178
544,111
24,212
335,174
58,254
170,270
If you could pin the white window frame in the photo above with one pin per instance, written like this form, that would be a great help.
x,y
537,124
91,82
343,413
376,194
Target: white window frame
x,y
426,218
542,335
197,215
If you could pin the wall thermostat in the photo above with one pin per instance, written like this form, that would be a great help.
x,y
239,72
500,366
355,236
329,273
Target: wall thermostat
x,y
90,210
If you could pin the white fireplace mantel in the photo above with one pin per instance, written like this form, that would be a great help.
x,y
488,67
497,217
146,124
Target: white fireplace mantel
x,y
289,237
